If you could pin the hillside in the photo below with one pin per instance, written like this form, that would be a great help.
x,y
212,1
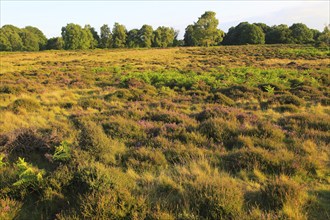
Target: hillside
x,y
229,132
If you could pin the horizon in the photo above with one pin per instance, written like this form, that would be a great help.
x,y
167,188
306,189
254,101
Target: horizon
x,y
133,14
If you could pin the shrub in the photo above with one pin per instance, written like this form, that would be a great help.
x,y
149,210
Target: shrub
x,y
277,162
219,130
9,208
287,99
123,128
29,177
11,89
279,191
94,140
24,103
287,108
215,198
62,152
222,99
143,159
240,92
91,103
166,117
2,163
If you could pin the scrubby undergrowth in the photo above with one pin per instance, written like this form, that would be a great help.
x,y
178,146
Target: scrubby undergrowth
x,y
190,133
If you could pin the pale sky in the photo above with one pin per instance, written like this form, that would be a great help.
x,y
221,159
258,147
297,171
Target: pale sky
x,y
51,16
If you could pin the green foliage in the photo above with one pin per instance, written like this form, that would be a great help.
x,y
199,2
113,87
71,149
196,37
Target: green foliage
x,y
10,38
55,43
105,37
42,40
75,37
119,36
245,33
62,152
29,176
182,133
2,163
145,36
204,32
163,37
278,34
301,34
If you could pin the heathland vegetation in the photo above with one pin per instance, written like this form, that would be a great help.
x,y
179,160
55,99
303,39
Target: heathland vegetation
x,y
204,32
187,133
230,132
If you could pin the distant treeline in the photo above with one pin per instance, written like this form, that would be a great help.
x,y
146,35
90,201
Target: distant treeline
x,y
204,32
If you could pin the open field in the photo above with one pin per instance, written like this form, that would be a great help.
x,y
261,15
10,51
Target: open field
x,y
229,132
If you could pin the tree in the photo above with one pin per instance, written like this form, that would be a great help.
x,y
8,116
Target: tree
x,y
278,34
301,34
88,40
188,38
71,35
176,41
265,28
163,37
133,38
245,33
55,43
251,34
4,42
42,40
76,37
10,39
96,37
119,35
206,30
316,34
145,36
30,40
324,38
106,36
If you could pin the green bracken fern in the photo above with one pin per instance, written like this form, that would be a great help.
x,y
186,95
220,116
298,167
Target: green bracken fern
x,y
28,175
62,152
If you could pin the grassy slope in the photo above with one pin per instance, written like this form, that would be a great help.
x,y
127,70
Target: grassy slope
x,y
184,133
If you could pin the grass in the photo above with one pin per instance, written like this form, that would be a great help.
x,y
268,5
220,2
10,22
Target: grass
x,y
230,132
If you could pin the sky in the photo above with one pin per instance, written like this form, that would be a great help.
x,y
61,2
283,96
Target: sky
x,y
51,16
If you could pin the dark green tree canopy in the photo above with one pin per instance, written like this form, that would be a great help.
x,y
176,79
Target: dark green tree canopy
x,y
30,40
10,38
119,35
163,37
75,37
301,34
145,36
279,34
204,32
133,39
106,37
42,40
245,33
55,43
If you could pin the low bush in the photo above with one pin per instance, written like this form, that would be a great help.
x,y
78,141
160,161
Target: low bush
x,y
220,130
219,198
27,104
276,193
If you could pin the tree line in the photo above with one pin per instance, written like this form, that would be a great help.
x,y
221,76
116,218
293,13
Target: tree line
x,y
204,32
